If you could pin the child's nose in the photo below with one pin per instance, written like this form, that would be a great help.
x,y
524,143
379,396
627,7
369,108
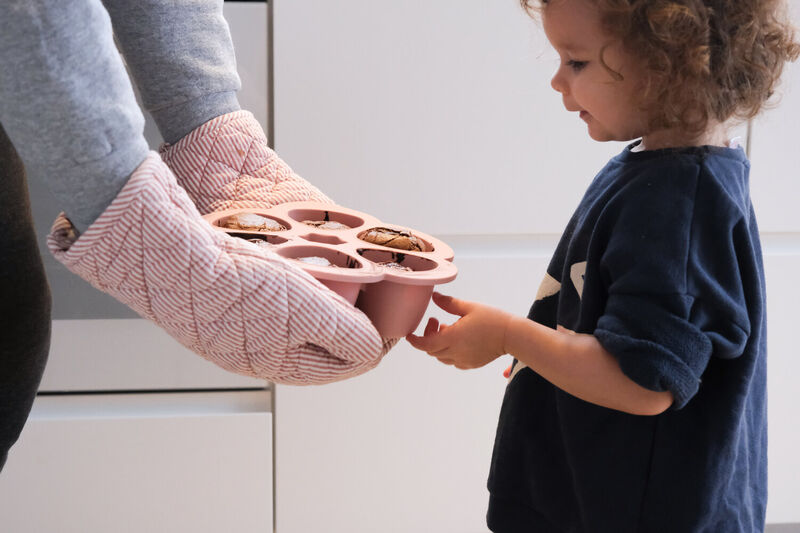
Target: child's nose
x,y
558,83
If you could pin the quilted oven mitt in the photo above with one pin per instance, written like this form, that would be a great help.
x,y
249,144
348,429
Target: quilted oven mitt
x,y
238,305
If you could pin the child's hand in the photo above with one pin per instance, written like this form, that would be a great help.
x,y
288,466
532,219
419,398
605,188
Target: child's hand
x,y
475,339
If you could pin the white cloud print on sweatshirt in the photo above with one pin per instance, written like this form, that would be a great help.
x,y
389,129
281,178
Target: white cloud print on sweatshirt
x,y
550,286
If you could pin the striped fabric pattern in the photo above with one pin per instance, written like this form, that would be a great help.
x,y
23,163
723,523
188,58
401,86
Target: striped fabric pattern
x,y
226,163
236,304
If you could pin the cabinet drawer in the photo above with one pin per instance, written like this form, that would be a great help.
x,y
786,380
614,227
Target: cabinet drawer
x,y
146,462
128,354
782,262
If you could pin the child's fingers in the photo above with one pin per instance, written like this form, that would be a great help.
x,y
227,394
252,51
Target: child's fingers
x,y
431,343
418,342
414,340
432,326
454,306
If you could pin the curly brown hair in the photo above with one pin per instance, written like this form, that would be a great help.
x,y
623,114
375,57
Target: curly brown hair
x,y
705,59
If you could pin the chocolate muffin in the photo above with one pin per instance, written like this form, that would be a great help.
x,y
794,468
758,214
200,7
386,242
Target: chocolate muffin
x,y
402,240
261,242
395,266
253,222
326,224
315,260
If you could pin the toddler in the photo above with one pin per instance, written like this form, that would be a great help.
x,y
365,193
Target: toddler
x,y
637,396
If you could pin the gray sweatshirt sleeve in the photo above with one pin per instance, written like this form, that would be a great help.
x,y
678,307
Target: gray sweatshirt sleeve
x,y
181,57
66,102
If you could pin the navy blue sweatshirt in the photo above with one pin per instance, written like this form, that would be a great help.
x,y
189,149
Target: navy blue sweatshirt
x,y
662,263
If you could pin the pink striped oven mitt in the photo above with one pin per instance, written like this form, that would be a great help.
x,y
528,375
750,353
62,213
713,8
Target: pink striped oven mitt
x,y
238,305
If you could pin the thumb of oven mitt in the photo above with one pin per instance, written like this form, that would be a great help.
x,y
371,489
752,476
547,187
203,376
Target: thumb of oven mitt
x,y
238,305
227,164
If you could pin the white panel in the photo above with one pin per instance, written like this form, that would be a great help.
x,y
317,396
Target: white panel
x,y
163,464
127,354
782,263
371,455
400,108
775,177
143,405
248,24
404,448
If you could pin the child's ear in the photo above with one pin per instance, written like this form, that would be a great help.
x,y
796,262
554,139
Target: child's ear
x,y
617,76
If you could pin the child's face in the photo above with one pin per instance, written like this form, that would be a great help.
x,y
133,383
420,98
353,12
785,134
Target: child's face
x,y
606,102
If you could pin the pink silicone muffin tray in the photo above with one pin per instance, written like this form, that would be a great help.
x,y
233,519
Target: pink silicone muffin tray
x,y
394,299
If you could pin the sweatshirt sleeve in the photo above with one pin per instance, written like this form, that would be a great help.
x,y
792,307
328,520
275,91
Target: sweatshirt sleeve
x,y
675,295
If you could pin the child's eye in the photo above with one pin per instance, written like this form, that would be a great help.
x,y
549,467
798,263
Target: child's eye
x,y
576,65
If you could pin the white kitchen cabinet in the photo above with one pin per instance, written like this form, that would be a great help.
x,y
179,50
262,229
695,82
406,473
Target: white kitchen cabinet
x,y
142,462
782,266
128,354
404,448
439,116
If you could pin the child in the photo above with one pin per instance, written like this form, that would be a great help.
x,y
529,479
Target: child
x,y
637,396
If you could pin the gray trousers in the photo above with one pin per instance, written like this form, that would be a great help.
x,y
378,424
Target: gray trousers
x,y
68,112
67,103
